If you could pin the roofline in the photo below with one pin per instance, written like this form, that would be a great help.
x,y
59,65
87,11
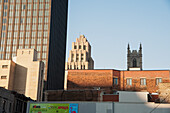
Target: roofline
x,y
118,70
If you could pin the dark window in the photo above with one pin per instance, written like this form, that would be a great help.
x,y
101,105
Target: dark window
x,y
5,13
3,106
72,57
3,27
84,47
134,63
4,66
3,77
5,0
5,7
75,47
21,21
4,20
24,7
115,81
79,46
10,107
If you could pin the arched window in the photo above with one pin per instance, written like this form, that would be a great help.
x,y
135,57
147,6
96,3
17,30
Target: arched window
x,y
134,63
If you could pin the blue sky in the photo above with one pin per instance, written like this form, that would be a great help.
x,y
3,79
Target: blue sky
x,y
109,25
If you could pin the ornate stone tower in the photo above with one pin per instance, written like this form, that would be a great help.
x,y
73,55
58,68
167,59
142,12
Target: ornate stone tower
x,y
134,59
80,55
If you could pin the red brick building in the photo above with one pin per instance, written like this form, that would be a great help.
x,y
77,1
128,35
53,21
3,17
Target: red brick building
x,y
117,80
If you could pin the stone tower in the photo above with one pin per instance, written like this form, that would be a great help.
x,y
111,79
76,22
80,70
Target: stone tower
x,y
134,59
80,55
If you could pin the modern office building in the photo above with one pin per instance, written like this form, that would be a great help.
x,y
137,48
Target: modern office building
x,y
37,24
24,74
80,55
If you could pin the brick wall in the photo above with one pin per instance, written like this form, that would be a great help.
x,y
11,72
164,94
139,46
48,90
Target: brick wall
x,y
113,98
89,79
150,80
73,95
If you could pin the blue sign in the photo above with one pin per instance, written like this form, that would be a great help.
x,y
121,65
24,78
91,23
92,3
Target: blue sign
x,y
73,108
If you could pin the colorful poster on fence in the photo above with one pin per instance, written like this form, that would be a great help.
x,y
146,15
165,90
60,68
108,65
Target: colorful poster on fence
x,y
53,108
73,108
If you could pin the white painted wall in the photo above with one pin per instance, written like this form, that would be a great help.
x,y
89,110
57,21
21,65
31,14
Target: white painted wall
x,y
125,96
104,107
140,108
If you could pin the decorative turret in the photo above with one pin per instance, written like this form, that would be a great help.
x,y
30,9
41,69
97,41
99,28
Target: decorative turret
x,y
140,49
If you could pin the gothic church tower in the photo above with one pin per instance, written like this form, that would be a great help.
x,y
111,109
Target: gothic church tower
x,y
134,59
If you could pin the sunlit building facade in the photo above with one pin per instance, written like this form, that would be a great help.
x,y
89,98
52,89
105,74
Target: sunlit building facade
x,y
80,55
37,24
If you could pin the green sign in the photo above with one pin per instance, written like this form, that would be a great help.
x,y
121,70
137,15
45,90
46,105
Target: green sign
x,y
53,108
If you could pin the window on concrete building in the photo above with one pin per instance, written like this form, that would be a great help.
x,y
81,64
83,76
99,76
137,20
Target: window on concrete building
x,y
115,81
4,77
129,81
75,47
4,66
143,81
72,57
79,46
84,47
77,57
158,80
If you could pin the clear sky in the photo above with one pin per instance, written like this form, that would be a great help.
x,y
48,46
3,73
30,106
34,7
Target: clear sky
x,y
109,25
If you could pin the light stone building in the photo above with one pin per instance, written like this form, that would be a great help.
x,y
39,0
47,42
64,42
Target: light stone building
x,y
24,74
80,55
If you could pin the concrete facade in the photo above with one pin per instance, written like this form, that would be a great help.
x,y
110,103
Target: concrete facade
x,y
80,55
7,72
23,75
